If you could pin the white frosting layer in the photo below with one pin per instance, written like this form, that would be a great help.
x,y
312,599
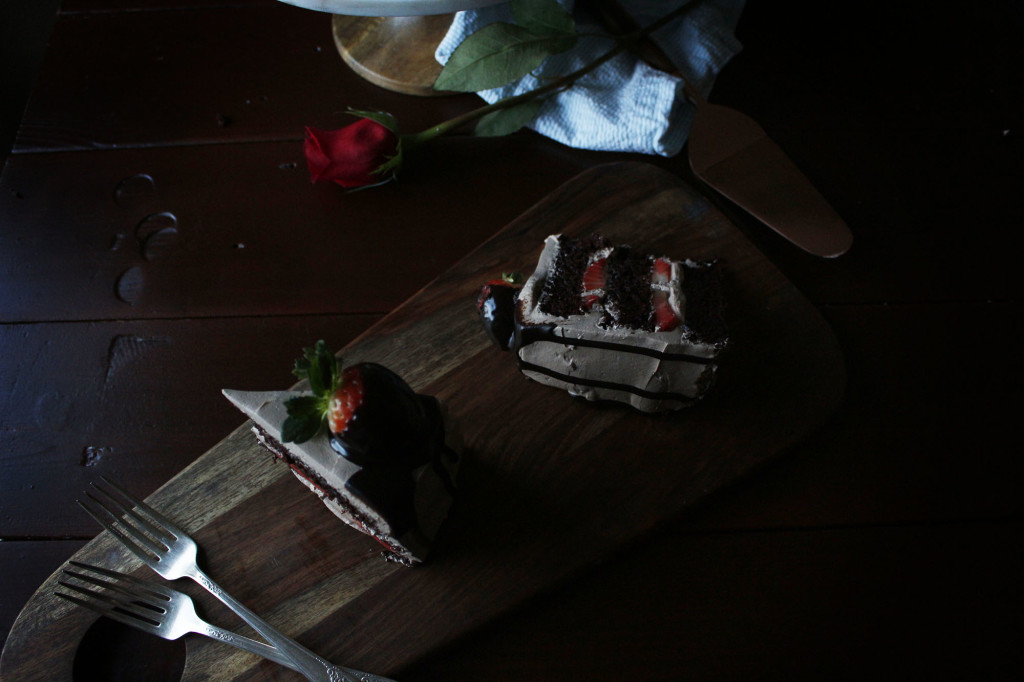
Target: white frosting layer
x,y
431,500
652,371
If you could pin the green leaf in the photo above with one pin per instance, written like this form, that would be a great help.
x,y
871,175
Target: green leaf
x,y
318,366
382,117
543,17
508,120
302,405
327,367
495,55
305,415
301,369
315,377
392,165
299,429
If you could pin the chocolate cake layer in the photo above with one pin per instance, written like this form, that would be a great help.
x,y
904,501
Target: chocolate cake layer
x,y
562,295
628,289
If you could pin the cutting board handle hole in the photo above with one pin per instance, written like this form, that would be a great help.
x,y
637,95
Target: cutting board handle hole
x,y
111,652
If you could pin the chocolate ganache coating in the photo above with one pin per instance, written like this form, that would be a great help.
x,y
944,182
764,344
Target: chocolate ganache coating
x,y
497,307
393,432
392,427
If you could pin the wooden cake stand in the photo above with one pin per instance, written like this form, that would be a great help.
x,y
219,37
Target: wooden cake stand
x,y
391,43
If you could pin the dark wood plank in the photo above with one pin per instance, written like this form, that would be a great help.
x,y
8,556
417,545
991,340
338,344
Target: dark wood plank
x,y
181,232
25,565
135,401
24,28
122,79
523,468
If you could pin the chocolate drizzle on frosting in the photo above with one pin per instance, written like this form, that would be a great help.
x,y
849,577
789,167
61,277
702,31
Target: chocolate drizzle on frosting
x,y
597,383
532,333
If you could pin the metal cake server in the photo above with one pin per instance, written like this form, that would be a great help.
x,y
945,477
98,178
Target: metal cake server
x,y
732,154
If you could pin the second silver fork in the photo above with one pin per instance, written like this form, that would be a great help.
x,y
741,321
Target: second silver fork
x,y
149,607
169,551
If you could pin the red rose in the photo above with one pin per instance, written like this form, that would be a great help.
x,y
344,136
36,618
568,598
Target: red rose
x,y
361,154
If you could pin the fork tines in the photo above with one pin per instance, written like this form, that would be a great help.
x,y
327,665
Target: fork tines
x,y
126,599
146,533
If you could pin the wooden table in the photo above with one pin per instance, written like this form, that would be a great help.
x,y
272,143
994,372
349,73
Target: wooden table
x,y
159,162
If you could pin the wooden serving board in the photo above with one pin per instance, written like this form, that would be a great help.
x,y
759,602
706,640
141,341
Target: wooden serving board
x,y
550,485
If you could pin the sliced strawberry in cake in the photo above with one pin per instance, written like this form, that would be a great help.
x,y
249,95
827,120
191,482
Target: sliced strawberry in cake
x,y
594,282
661,271
665,317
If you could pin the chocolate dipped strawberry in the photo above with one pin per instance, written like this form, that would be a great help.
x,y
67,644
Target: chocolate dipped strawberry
x,y
373,418
496,304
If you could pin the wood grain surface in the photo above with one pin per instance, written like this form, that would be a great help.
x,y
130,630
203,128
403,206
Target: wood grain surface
x,y
550,485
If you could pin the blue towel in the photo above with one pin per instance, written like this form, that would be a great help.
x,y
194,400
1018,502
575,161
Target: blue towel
x,y
625,105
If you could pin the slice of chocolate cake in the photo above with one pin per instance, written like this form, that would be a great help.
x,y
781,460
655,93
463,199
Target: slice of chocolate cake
x,y
381,457
614,323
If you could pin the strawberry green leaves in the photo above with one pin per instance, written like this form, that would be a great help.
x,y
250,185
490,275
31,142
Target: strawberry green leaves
x,y
500,53
319,366
307,413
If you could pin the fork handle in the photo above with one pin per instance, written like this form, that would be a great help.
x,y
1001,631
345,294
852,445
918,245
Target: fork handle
x,y
304,660
269,652
246,644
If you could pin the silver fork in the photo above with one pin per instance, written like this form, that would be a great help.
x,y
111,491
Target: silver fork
x,y
169,551
150,607
158,610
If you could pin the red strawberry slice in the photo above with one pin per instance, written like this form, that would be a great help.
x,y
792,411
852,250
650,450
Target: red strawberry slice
x,y
662,271
593,279
665,319
345,400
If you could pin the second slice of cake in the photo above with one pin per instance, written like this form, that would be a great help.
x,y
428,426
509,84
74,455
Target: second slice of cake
x,y
609,322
